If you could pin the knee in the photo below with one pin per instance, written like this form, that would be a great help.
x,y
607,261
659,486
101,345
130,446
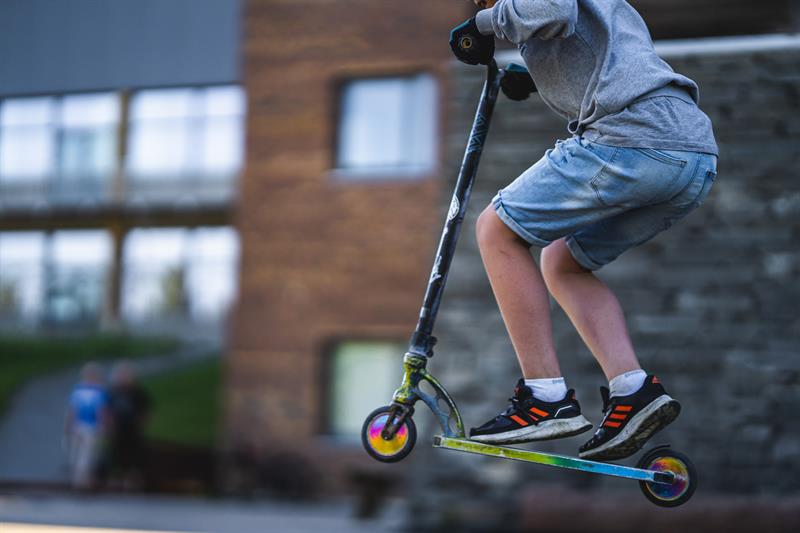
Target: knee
x,y
490,230
557,262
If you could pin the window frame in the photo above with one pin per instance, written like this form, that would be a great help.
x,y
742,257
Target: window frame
x,y
323,424
135,269
184,176
388,175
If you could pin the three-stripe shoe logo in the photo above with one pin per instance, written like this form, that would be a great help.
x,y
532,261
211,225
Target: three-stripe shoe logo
x,y
533,413
617,416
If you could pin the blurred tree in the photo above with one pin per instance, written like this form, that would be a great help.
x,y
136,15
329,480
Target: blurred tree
x,y
173,286
8,300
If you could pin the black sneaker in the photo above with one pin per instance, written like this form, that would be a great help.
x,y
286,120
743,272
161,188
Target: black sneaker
x,y
529,419
630,421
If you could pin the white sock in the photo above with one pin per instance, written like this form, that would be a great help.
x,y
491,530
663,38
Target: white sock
x,y
627,383
548,389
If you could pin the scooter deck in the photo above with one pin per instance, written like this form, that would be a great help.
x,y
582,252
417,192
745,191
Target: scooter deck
x,y
560,461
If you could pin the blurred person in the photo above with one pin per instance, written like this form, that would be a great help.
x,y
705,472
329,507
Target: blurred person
x,y
129,406
86,424
641,156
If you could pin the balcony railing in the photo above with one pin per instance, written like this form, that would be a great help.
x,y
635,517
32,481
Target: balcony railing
x,y
88,193
158,147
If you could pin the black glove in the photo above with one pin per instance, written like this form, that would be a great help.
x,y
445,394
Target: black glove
x,y
517,83
469,46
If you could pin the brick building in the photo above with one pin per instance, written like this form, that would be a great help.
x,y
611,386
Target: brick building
x,y
336,210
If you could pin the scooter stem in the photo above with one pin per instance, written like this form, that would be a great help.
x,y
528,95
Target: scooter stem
x,y
422,341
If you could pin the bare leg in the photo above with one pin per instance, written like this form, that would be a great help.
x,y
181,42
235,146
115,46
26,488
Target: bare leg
x,y
521,295
592,307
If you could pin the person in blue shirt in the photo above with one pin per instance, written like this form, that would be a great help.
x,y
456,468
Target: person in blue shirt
x,y
86,424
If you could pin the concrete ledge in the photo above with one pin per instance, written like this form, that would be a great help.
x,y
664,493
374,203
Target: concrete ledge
x,y
728,45
681,48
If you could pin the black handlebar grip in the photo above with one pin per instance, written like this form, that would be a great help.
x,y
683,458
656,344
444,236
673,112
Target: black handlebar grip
x,y
517,83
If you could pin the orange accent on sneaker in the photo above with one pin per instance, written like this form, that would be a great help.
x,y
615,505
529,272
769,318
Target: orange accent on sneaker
x,y
617,416
536,411
623,408
655,380
611,424
519,420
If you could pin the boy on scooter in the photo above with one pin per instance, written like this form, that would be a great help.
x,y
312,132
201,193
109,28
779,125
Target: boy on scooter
x,y
641,156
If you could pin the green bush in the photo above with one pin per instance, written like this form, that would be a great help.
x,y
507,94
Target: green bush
x,y
186,404
26,357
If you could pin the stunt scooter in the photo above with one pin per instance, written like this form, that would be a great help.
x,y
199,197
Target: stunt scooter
x,y
666,477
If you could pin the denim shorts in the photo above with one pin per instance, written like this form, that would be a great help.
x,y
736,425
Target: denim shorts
x,y
604,199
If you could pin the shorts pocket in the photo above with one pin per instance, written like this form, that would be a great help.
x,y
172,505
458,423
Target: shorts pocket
x,y
695,199
696,192
709,182
634,178
606,153
663,157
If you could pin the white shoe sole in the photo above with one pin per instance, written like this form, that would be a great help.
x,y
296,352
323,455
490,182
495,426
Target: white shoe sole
x,y
549,429
653,418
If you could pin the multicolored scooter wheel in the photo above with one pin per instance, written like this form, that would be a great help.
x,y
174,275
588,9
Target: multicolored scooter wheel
x,y
394,449
684,482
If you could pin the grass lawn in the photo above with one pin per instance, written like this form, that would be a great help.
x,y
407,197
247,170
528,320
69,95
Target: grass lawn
x,y
23,358
186,404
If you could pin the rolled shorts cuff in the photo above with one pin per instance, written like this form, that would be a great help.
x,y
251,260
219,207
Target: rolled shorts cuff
x,y
580,256
514,226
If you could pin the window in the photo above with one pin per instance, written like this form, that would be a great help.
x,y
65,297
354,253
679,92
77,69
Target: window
x,y
61,277
77,272
89,136
189,275
153,269
21,275
182,144
388,126
179,273
211,281
362,376
27,139
69,143
186,133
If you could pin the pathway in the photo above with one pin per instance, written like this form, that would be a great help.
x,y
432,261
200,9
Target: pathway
x,y
31,431
192,515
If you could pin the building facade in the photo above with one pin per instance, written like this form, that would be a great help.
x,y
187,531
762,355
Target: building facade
x,y
164,162
121,143
338,202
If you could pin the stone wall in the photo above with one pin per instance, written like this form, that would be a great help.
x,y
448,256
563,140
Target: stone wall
x,y
676,19
712,304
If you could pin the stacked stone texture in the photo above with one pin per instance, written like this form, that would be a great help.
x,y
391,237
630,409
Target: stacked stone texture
x,y
692,18
713,304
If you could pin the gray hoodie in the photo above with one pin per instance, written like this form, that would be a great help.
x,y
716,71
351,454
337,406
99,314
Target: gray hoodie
x,y
594,63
